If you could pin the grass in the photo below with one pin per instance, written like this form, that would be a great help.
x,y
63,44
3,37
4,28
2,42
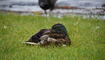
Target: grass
x,y
87,35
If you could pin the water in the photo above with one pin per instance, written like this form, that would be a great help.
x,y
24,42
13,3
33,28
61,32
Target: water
x,y
32,5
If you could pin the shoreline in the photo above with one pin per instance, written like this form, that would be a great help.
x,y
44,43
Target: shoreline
x,y
59,14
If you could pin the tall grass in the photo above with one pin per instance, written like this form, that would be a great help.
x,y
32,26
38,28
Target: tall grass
x,y
87,36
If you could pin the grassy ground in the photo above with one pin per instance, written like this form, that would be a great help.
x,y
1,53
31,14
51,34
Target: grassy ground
x,y
88,38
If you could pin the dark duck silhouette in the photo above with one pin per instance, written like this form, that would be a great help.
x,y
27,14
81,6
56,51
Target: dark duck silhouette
x,y
47,4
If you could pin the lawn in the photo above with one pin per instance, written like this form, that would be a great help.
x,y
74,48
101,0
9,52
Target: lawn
x,y
87,36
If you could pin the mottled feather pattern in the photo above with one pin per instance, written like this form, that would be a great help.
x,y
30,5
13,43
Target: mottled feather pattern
x,y
57,35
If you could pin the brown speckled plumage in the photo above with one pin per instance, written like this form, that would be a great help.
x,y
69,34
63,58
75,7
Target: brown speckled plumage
x,y
57,35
